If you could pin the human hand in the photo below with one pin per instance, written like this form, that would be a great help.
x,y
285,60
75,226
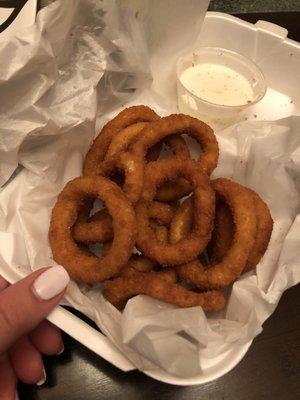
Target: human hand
x,y
24,333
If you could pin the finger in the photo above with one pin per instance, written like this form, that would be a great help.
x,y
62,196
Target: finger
x,y
27,362
8,380
47,339
25,304
3,283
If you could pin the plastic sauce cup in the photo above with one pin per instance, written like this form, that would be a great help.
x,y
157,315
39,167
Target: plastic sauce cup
x,y
217,86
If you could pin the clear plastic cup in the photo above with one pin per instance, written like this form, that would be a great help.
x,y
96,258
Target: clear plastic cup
x,y
217,115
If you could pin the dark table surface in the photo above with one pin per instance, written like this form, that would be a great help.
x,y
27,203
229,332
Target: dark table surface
x,y
270,369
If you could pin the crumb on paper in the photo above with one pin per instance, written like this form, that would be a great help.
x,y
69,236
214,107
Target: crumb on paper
x,y
255,115
136,14
291,101
248,101
246,118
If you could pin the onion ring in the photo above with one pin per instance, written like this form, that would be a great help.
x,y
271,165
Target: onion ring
x,y
121,142
124,139
83,265
168,274
128,136
263,233
98,227
137,263
125,118
179,124
204,206
224,231
231,266
132,168
119,290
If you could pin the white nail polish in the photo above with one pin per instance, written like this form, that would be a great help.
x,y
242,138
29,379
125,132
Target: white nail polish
x,y
51,282
43,380
16,396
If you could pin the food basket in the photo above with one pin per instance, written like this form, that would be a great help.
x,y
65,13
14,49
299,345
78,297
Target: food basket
x,y
266,44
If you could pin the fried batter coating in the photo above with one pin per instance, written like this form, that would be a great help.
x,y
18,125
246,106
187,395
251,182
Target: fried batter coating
x,y
125,118
204,208
181,124
241,204
224,231
119,290
98,228
263,233
83,265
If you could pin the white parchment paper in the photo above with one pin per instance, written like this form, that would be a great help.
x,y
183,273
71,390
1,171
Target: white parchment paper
x,y
77,67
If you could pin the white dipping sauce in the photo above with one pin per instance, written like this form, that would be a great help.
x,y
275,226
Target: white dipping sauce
x,y
217,84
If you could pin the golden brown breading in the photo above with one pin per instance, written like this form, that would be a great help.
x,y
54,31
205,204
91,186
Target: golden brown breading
x,y
204,208
125,118
83,265
241,204
117,291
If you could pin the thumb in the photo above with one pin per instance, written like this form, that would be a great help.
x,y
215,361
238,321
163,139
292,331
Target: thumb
x,y
26,303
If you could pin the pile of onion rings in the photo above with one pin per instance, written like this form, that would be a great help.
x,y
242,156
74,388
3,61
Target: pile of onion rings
x,y
165,228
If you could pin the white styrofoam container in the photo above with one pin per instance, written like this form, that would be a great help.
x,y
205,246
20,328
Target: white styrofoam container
x,y
267,45
279,59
